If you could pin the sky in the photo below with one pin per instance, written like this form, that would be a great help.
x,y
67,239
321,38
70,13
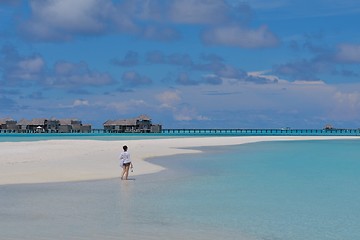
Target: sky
x,y
184,63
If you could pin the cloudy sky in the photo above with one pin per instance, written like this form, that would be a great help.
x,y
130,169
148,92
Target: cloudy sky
x,y
185,63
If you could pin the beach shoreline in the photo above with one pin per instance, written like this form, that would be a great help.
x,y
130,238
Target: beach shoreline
x,y
49,161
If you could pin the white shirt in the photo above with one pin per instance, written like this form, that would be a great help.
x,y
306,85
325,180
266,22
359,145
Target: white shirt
x,y
125,157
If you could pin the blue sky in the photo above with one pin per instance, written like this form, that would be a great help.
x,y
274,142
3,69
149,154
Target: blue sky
x,y
185,63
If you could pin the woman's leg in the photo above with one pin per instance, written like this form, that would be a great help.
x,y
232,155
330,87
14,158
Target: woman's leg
x,y
123,172
127,167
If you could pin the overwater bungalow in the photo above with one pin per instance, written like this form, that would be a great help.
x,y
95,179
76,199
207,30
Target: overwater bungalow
x,y
43,125
141,124
73,126
8,125
37,125
23,126
328,127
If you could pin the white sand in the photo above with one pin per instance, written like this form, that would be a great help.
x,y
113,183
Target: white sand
x,y
76,160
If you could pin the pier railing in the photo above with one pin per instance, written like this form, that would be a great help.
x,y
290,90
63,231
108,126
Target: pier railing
x,y
266,132
236,132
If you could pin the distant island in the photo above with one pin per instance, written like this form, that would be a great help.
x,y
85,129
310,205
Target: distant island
x,y
140,124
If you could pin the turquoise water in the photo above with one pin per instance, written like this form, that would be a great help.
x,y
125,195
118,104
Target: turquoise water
x,y
27,137
16,137
261,191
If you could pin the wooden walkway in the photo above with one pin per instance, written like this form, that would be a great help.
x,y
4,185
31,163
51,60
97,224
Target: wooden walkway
x,y
235,132
249,132
342,132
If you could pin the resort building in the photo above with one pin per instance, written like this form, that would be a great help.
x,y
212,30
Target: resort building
x,y
328,127
73,125
43,125
8,125
141,124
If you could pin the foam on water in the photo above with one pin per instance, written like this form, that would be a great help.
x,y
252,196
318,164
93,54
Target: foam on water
x,y
262,191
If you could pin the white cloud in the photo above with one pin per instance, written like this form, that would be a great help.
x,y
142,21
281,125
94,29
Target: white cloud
x,y
270,78
124,107
51,20
171,100
239,36
199,11
350,99
66,74
268,5
346,105
57,20
160,33
132,78
348,53
188,114
76,103
168,98
80,102
307,82
23,68
69,14
33,65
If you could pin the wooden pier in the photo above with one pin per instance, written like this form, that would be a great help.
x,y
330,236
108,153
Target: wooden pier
x,y
225,131
274,132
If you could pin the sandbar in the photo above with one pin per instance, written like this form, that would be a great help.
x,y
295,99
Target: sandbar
x,y
51,161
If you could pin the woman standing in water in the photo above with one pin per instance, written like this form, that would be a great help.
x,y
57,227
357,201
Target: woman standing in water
x,y
125,162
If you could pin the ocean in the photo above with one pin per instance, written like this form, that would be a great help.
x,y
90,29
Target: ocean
x,y
260,191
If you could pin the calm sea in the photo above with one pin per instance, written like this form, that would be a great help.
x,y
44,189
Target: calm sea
x,y
26,137
291,190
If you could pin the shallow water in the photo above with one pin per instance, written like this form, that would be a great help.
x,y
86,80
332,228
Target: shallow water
x,y
261,191
28,137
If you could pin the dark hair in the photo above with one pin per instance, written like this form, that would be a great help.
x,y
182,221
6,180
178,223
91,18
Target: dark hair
x,y
125,147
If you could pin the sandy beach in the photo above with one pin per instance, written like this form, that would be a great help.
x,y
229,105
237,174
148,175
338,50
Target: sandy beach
x,y
79,160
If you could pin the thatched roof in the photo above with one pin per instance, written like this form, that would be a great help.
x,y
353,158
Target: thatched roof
x,y
65,121
37,121
143,118
23,122
124,122
127,122
4,120
33,122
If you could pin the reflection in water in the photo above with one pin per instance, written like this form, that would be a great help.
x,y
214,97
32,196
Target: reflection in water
x,y
126,201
